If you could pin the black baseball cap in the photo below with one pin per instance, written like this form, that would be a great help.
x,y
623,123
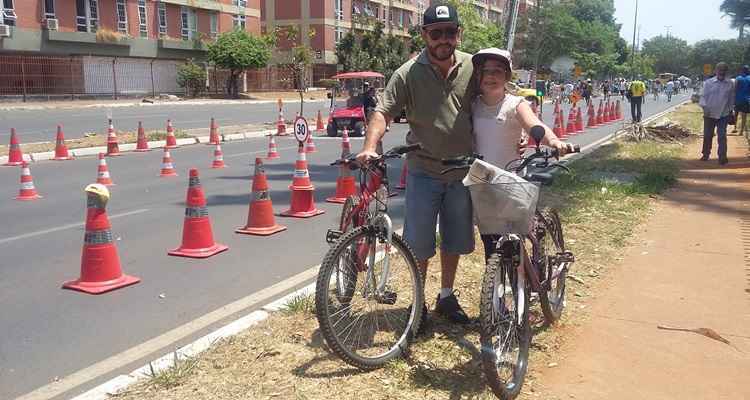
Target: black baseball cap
x,y
440,13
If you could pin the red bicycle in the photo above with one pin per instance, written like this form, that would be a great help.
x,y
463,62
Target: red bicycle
x,y
368,280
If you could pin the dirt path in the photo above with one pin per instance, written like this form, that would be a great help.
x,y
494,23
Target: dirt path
x,y
689,267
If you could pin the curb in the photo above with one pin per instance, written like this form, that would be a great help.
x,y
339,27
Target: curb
x,y
142,104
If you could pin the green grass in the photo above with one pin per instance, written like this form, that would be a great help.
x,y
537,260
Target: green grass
x,y
300,304
175,375
162,135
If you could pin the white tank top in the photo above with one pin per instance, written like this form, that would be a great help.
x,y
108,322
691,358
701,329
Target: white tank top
x,y
497,130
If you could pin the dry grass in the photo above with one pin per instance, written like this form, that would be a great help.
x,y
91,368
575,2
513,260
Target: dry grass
x,y
602,201
108,36
689,115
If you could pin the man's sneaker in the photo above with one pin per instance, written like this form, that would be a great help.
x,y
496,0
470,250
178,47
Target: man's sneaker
x,y
449,308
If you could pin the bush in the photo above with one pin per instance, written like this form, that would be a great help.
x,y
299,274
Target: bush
x,y
104,35
192,77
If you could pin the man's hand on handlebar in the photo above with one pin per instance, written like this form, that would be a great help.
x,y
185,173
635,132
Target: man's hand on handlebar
x,y
367,155
562,147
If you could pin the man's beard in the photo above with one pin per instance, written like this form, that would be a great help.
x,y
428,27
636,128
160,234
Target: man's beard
x,y
440,55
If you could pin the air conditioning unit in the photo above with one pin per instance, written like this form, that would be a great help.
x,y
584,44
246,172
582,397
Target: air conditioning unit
x,y
4,30
52,24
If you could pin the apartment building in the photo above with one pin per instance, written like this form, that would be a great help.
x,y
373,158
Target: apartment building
x,y
128,28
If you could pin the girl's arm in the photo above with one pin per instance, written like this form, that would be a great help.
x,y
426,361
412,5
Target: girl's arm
x,y
528,119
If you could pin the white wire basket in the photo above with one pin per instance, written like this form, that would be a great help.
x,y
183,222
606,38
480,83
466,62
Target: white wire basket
x,y
503,202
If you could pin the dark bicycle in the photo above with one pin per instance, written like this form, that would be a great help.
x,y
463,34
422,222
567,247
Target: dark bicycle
x,y
529,256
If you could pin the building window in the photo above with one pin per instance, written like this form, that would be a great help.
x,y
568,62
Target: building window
x,y
49,9
338,7
338,34
122,17
214,26
162,18
241,3
142,21
401,18
238,21
87,16
9,13
187,17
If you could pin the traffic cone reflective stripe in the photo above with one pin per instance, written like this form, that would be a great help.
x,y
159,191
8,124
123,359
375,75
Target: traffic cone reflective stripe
x,y
61,150
197,236
142,144
167,168
302,201
27,191
218,158
345,183
171,140
112,146
213,135
272,151
103,177
15,155
260,218
100,264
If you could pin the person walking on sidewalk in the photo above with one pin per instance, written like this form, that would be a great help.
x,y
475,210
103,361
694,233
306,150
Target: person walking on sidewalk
x,y
636,90
669,90
742,98
717,103
434,88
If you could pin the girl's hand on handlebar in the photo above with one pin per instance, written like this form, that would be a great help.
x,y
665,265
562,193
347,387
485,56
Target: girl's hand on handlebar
x,y
562,147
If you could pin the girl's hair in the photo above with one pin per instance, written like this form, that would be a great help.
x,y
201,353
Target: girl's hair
x,y
476,76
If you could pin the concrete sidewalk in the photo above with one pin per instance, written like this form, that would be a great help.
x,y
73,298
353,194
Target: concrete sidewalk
x,y
688,267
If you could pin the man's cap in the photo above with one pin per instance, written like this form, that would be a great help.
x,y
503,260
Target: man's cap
x,y
440,13
492,52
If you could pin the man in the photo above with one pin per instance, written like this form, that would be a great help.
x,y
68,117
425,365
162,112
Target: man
x,y
370,100
434,88
637,89
741,98
717,103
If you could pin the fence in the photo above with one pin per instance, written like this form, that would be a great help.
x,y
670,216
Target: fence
x,y
33,76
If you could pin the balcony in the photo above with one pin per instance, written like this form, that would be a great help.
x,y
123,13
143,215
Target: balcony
x,y
88,37
215,5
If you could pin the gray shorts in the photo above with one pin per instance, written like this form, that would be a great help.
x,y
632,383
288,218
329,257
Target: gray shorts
x,y
428,197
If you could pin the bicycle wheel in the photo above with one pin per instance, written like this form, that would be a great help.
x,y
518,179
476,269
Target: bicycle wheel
x,y
375,322
505,333
344,275
552,271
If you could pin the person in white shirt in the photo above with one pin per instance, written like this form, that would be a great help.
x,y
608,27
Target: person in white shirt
x,y
499,118
717,102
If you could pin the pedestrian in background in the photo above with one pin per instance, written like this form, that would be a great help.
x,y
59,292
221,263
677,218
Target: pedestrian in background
x,y
637,90
717,102
742,99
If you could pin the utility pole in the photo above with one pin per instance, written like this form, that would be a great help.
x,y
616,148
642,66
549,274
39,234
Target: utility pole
x,y
513,18
668,27
632,56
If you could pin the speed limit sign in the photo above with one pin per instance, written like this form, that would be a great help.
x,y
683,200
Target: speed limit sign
x,y
301,132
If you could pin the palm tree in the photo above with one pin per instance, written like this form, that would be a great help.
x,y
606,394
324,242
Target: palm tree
x,y
739,12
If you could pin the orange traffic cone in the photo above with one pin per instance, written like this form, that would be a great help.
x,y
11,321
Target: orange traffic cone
x,y
310,145
171,140
345,184
570,128
197,237
612,115
599,114
218,158
559,130
272,151
280,124
303,201
100,264
142,144
213,135
15,155
579,121
27,191
102,176
61,150
112,147
319,123
618,110
591,123
402,181
167,168
260,219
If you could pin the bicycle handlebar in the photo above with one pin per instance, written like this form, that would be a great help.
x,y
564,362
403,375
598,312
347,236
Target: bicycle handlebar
x,y
463,162
395,152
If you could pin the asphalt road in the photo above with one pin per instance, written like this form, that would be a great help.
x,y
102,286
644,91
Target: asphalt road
x,y
48,332
40,125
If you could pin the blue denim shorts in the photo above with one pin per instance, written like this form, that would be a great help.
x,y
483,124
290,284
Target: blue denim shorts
x,y
428,197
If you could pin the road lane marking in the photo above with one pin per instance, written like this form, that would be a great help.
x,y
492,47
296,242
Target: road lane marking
x,y
64,227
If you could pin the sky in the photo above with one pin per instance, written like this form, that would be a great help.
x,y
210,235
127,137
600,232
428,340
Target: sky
x,y
691,20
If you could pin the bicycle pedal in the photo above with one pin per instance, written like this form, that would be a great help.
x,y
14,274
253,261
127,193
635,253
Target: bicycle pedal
x,y
333,235
387,297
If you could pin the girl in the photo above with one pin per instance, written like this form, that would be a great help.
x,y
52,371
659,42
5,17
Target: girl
x,y
499,118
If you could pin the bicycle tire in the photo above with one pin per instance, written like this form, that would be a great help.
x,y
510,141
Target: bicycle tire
x,y
348,220
346,278
326,309
552,298
504,388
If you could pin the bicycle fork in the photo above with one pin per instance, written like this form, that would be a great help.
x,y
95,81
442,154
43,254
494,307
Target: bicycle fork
x,y
379,286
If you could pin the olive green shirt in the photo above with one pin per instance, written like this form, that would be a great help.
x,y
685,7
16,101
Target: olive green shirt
x,y
438,110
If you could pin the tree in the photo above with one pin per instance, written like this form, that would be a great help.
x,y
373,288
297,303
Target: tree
x,y
712,51
237,51
670,54
601,11
298,61
478,33
739,12
192,77
372,50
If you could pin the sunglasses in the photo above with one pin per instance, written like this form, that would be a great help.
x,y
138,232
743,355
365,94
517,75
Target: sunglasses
x,y
437,34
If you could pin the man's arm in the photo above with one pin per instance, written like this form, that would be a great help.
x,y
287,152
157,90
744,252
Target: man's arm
x,y
375,131
393,101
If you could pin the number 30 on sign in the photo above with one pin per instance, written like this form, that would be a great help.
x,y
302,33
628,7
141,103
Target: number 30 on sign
x,y
301,131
